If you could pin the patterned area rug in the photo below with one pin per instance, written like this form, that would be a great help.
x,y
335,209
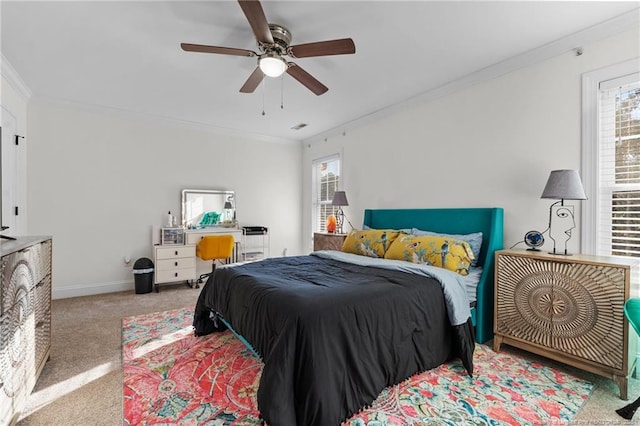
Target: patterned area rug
x,y
173,377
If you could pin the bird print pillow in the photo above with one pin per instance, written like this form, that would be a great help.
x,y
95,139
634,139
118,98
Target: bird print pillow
x,y
372,242
441,251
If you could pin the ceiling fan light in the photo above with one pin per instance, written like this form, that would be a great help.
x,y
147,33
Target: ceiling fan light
x,y
272,65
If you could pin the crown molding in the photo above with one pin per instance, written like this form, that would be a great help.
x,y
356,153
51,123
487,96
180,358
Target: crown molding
x,y
601,31
10,74
125,113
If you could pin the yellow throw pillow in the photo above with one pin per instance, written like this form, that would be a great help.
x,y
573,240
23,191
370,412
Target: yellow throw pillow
x,y
444,252
372,242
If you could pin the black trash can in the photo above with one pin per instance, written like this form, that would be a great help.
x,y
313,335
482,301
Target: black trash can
x,y
143,275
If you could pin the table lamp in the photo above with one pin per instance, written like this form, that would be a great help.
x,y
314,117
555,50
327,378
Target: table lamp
x,y
562,185
339,199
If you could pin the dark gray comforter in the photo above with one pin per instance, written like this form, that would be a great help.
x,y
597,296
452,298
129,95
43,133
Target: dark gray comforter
x,y
331,334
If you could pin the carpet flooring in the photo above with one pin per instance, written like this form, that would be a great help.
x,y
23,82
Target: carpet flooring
x,y
82,382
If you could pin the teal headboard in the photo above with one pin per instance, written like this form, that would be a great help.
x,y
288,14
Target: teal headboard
x,y
489,221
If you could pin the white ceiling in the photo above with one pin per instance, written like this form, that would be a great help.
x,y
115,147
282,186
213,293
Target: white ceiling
x,y
126,55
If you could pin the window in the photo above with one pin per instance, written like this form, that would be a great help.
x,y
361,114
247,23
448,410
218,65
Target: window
x,y
325,180
612,163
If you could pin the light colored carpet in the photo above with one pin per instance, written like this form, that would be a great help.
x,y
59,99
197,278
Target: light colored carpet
x,y
82,382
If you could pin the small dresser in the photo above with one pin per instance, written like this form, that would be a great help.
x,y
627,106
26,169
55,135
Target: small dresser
x,y
25,320
567,308
173,263
328,241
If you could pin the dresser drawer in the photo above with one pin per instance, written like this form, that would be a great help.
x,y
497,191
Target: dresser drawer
x,y
175,252
17,279
176,275
39,259
177,263
17,362
194,237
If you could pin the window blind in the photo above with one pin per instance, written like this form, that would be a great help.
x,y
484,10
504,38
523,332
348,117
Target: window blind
x,y
618,214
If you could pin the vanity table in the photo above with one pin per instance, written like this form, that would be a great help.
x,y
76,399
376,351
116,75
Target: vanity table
x,y
175,258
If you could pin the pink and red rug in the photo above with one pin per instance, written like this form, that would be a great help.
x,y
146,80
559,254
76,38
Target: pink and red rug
x,y
173,377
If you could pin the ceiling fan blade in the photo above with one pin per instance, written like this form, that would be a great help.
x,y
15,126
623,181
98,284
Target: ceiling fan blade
x,y
257,20
252,82
188,47
306,79
343,46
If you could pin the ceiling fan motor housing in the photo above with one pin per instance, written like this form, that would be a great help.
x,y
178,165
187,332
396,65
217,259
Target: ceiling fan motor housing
x,y
282,38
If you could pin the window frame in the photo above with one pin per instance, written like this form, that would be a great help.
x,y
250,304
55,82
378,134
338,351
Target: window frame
x,y
590,144
315,226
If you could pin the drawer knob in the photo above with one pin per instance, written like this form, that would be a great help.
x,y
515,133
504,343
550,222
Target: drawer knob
x,y
176,274
176,252
176,264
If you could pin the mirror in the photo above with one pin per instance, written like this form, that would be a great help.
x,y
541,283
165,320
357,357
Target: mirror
x,y
202,208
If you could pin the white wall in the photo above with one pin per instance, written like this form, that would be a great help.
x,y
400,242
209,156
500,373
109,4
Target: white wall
x,y
492,144
98,181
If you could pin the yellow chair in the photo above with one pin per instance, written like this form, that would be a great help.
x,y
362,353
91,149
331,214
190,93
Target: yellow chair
x,y
632,312
214,247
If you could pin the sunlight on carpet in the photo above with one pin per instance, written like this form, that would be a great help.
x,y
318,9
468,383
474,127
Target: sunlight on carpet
x,y
171,376
163,340
42,398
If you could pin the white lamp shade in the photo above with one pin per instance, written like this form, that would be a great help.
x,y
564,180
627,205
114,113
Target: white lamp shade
x,y
272,66
564,185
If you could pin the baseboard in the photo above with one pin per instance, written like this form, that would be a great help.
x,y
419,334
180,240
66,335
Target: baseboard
x,y
91,289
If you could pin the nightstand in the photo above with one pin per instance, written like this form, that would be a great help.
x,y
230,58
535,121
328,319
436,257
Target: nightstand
x,y
567,308
328,241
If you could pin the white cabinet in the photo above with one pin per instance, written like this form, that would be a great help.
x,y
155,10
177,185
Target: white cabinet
x,y
174,263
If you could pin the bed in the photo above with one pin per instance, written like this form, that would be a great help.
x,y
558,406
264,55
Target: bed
x,y
334,329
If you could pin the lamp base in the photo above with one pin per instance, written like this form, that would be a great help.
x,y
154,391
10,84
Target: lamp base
x,y
560,254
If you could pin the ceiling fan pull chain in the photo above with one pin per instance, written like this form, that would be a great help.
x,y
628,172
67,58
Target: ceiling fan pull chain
x,y
263,113
282,92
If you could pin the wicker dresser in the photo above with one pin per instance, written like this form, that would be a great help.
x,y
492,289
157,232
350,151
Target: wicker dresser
x,y
567,308
25,320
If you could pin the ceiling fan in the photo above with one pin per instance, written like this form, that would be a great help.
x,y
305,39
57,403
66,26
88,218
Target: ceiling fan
x,y
273,43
